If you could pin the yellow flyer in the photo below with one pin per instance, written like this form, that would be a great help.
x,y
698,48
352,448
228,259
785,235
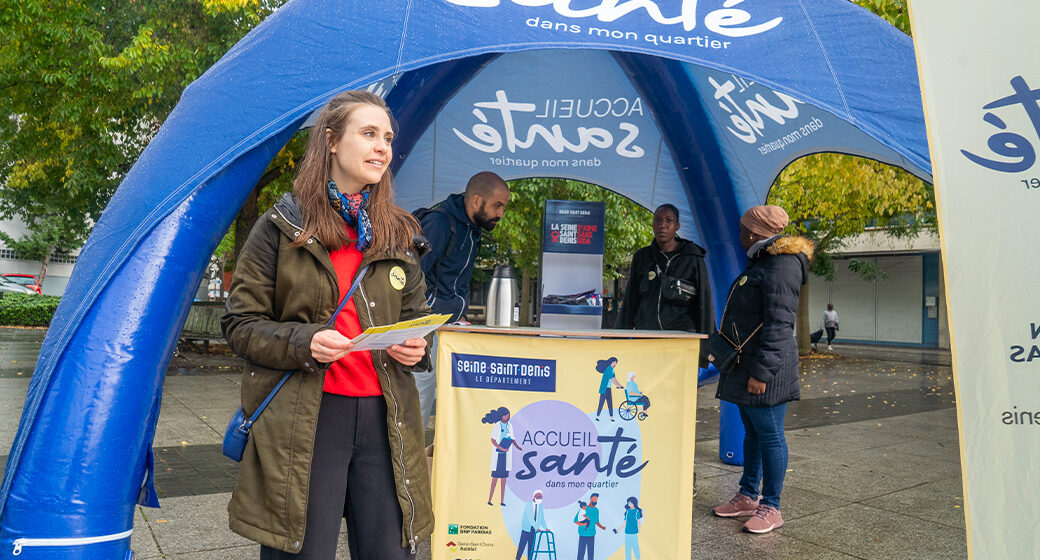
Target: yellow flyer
x,y
379,338
563,448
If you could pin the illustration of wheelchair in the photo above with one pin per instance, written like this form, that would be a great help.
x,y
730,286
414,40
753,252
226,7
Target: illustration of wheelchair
x,y
630,409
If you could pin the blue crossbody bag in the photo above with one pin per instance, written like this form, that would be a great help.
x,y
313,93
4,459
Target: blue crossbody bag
x,y
237,433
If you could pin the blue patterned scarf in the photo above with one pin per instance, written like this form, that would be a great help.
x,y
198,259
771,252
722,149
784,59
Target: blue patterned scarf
x,y
354,210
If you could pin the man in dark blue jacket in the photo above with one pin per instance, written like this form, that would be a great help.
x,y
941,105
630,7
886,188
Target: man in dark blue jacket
x,y
454,229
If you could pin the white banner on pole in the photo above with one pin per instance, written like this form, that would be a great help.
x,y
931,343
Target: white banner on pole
x,y
980,74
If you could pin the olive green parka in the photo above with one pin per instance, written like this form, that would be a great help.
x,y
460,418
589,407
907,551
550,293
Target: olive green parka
x,y
279,298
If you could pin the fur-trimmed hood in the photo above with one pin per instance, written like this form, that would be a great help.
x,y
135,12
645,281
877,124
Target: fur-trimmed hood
x,y
792,245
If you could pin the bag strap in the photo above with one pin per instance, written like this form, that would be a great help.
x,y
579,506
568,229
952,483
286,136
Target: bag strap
x,y
357,282
740,346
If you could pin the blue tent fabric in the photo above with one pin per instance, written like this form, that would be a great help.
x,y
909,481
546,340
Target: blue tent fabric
x,y
93,396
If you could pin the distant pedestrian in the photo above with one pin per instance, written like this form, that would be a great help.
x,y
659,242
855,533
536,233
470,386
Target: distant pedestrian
x,y
830,322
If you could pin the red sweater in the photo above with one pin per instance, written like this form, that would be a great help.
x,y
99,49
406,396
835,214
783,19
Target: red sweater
x,y
354,375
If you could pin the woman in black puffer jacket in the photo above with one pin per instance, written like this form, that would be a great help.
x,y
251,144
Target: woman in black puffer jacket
x,y
760,314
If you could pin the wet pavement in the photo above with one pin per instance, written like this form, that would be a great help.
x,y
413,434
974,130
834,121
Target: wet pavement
x,y
874,468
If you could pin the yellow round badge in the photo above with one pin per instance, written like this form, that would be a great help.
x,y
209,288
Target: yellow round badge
x,y
397,278
652,275
743,280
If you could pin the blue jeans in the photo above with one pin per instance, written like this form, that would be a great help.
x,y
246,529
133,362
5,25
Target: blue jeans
x,y
765,452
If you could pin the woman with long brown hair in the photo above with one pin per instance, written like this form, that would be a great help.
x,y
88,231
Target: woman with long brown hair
x,y
342,438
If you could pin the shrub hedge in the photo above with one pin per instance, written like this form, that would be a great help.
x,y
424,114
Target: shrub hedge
x,y
27,310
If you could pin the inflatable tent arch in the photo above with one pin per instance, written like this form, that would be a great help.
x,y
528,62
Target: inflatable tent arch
x,y
734,90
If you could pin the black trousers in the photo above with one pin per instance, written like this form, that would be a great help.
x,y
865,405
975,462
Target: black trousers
x,y
830,334
352,477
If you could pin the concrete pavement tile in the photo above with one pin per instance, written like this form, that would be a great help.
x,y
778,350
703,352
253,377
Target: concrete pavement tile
x,y
929,448
775,546
876,534
141,541
827,441
897,460
175,428
941,502
705,471
848,481
865,474
193,523
251,552
12,399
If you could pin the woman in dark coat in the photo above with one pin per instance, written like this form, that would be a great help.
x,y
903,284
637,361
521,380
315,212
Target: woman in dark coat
x,y
760,315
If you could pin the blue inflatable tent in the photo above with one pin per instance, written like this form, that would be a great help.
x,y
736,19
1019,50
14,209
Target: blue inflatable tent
x,y
697,103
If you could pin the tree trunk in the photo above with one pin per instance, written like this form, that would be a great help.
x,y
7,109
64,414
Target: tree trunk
x,y
43,269
247,217
803,326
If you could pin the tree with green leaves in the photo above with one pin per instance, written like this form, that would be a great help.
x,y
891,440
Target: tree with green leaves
x,y
86,86
832,198
517,238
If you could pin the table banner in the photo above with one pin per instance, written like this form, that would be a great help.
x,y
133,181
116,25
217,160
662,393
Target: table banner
x,y
538,397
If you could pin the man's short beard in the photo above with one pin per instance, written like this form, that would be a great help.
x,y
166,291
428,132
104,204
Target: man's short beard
x,y
481,219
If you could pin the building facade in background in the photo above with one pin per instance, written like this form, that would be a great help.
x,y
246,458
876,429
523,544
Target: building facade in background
x,y
905,308
58,271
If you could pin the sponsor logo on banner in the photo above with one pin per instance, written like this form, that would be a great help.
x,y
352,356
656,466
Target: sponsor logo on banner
x,y
727,21
506,373
1010,150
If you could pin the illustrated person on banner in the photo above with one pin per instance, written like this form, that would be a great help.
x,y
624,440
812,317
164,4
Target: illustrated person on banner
x,y
607,379
633,393
830,322
454,229
587,523
759,319
633,519
533,521
501,460
583,517
332,417
668,286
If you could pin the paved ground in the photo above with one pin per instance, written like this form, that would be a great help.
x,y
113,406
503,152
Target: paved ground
x,y
874,467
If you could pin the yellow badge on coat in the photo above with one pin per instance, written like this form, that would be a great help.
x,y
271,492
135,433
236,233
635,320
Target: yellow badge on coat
x,y
743,280
398,278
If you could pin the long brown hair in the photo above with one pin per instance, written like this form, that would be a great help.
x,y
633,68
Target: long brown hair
x,y
392,228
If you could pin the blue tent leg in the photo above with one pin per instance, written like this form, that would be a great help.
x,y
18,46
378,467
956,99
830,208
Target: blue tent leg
x,y
731,434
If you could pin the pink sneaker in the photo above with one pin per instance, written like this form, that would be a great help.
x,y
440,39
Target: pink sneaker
x,y
765,520
739,506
